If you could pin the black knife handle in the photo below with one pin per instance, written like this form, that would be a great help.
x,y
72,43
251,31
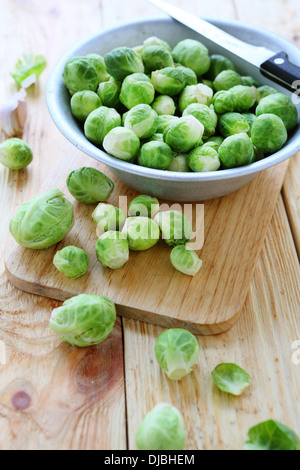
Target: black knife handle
x,y
281,70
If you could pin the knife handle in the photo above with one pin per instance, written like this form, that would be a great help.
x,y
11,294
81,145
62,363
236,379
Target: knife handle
x,y
282,71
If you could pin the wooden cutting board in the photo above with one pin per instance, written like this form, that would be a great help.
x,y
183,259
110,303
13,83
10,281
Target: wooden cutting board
x,y
148,288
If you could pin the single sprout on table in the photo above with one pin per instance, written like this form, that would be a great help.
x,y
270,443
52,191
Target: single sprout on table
x,y
164,105
84,320
168,81
108,217
176,228
224,102
30,66
71,261
99,123
142,120
179,163
218,63
282,106
142,233
236,151
176,351
205,115
80,74
156,155
185,260
15,154
136,89
192,54
200,93
99,64
89,185
112,250
83,103
123,61
184,134
230,378
122,143
271,435
204,158
43,221
233,123
245,96
163,122
109,93
265,90
157,57
269,133
190,78
154,41
227,80
144,206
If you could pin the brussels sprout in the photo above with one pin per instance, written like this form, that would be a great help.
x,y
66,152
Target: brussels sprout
x,y
282,106
226,80
251,118
155,154
157,57
269,133
71,261
122,143
142,120
43,221
137,89
108,217
168,81
236,150
218,140
161,429
80,74
164,105
218,63
271,435
156,138
112,250
265,90
200,93
98,62
30,65
99,123
224,102
123,61
192,54
179,163
109,93
212,145
83,103
142,233
233,123
139,49
89,185
184,134
249,81
15,154
84,320
163,122
245,96
204,158
208,83
205,115
143,206
176,228
190,78
230,378
186,261
177,350
154,41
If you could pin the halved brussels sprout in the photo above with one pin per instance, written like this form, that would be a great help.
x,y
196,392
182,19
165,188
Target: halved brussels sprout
x,y
168,81
71,261
265,90
80,74
123,61
226,80
122,143
112,250
83,103
184,134
84,320
218,63
249,81
154,41
99,123
206,115
192,54
156,155
282,106
143,206
43,221
224,102
179,163
142,233
109,93
164,105
163,122
108,217
230,378
200,93
233,123
161,429
245,96
186,261
157,57
269,133
142,120
236,150
15,154
204,158
137,89
99,64
176,228
89,185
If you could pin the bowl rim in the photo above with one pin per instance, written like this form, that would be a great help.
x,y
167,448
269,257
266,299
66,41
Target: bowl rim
x,y
81,142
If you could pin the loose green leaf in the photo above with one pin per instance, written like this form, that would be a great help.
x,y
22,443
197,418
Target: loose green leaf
x,y
29,65
230,378
271,435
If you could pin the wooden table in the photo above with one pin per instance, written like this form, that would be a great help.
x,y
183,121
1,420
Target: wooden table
x,y
96,398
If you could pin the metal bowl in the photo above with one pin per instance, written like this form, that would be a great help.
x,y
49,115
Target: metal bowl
x,y
164,184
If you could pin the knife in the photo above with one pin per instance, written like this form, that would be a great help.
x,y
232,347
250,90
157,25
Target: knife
x,y
275,66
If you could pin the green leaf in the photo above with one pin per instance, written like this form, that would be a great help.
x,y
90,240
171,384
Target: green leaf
x,y
231,378
27,66
271,435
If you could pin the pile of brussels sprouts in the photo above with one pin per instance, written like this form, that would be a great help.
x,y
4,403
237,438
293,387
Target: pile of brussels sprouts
x,y
178,110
